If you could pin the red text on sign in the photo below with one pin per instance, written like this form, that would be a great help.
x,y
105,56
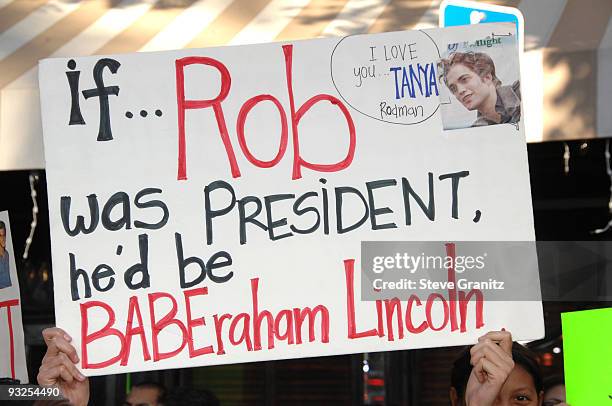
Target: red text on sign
x,y
295,115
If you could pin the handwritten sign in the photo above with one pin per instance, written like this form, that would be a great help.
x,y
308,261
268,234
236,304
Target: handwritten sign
x,y
588,356
12,348
207,206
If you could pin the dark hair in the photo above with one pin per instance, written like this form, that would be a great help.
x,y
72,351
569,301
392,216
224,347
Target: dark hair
x,y
552,381
2,225
521,355
191,397
478,62
161,389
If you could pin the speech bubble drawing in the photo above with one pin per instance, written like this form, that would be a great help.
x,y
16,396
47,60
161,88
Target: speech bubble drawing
x,y
391,79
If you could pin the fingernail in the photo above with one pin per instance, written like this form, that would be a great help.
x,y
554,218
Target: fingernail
x,y
81,377
67,337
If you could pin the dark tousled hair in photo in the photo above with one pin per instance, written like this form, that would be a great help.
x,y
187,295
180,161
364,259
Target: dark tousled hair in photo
x,y
478,62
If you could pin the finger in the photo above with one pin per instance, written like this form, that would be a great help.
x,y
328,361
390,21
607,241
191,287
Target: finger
x,y
52,332
505,359
45,378
63,360
51,375
50,335
493,356
477,352
477,355
503,364
477,347
494,373
506,342
59,345
504,338
59,372
495,336
487,345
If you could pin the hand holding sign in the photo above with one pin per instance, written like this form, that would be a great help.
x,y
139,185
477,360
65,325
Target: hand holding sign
x,y
58,367
492,361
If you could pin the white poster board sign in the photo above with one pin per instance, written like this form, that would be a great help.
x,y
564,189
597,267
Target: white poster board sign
x,y
207,206
12,347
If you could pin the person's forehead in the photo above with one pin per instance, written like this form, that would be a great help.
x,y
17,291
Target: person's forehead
x,y
458,69
519,378
142,393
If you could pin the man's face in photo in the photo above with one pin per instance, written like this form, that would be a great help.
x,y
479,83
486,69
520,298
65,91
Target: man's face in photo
x,y
469,88
2,240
